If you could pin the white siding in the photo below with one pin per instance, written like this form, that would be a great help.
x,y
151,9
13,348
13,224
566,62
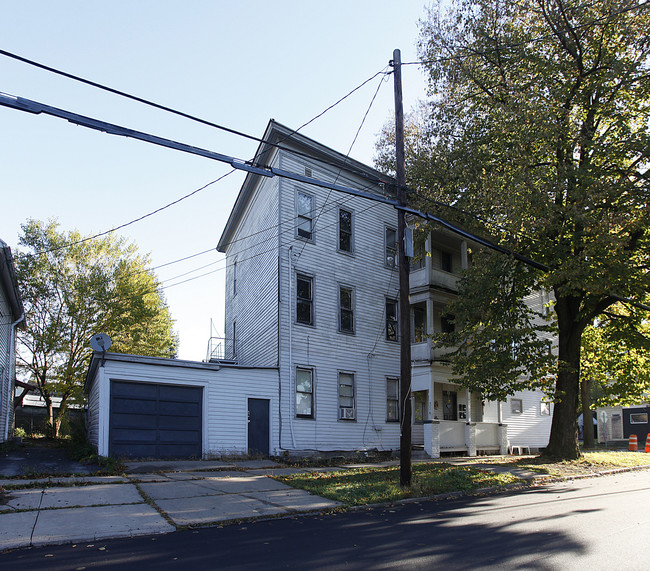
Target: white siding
x,y
254,308
530,428
6,362
322,347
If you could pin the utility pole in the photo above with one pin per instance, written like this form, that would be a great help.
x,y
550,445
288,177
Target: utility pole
x,y
404,294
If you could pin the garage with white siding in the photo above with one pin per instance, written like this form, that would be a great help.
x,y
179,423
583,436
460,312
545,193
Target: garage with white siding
x,y
151,407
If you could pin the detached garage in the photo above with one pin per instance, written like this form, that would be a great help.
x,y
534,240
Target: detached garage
x,y
150,407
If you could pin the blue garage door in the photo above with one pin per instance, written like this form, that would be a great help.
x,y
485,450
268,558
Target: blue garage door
x,y
149,420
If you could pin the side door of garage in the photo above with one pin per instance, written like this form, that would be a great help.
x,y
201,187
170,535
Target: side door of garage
x,y
155,420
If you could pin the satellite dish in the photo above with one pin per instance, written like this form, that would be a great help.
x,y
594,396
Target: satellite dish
x,y
100,342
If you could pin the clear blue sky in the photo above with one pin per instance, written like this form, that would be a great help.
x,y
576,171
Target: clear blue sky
x,y
234,63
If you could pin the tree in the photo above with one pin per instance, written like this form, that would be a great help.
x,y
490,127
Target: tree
x,y
74,287
537,135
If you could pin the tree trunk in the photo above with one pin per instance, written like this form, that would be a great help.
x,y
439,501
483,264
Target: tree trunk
x,y
563,440
587,419
52,421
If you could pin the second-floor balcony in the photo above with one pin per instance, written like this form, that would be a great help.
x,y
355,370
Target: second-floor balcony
x,y
427,351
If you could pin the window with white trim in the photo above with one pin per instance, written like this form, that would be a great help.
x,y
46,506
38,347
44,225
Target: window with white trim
x,y
304,215
304,393
392,399
516,406
234,278
345,230
390,247
346,309
392,324
545,408
346,397
304,299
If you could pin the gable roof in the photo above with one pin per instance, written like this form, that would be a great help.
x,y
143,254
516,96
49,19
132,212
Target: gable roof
x,y
8,281
276,134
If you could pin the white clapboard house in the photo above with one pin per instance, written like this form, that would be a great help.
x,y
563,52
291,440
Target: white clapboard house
x,y
310,358
11,316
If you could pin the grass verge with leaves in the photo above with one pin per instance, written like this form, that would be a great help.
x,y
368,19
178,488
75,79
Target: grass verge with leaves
x,y
361,486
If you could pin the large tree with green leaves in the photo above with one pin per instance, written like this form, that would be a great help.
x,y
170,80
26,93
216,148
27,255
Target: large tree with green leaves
x,y
74,287
537,134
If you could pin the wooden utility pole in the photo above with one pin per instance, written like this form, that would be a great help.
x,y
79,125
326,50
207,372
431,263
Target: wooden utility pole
x,y
404,294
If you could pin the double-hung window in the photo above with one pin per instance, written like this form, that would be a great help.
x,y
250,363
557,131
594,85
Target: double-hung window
x,y
304,214
391,320
346,397
304,299
392,399
390,247
345,230
346,310
304,393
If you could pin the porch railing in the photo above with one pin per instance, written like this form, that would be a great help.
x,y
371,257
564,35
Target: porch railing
x,y
452,434
487,434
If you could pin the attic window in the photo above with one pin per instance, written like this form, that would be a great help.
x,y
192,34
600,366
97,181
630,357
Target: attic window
x,y
308,172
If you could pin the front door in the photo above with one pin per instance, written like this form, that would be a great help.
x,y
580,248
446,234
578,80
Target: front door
x,y
258,427
449,402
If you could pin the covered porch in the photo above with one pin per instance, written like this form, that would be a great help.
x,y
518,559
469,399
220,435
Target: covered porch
x,y
448,418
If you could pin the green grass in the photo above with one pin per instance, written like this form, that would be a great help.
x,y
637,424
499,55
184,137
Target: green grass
x,y
361,486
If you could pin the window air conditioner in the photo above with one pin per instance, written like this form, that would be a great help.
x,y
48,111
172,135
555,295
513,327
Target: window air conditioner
x,y
346,413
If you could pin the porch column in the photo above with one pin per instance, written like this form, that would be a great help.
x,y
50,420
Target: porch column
x,y
432,438
468,401
499,412
502,436
470,438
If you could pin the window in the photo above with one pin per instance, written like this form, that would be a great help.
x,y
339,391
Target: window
x,y
346,397
345,230
304,213
639,418
305,299
234,339
392,399
419,316
516,406
391,320
390,247
304,393
346,310
234,278
445,262
545,408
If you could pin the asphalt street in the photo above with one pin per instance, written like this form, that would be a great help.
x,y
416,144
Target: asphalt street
x,y
596,523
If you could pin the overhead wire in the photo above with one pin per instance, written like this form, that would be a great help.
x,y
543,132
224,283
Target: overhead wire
x,y
182,113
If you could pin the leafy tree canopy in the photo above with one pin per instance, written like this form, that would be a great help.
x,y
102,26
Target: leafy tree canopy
x,y
537,134
74,287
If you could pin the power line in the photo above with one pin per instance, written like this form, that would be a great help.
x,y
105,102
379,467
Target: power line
x,y
182,113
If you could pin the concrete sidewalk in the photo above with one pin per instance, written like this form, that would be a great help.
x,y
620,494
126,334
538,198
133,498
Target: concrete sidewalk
x,y
88,509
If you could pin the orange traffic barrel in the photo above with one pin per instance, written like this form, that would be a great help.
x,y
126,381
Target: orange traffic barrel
x,y
633,446
647,444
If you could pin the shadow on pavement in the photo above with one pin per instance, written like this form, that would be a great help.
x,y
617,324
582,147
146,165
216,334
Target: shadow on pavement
x,y
36,457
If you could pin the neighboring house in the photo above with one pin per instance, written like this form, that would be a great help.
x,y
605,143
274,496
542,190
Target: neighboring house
x,y
617,423
11,316
310,359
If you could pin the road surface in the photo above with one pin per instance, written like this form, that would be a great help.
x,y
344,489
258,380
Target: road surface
x,y
597,523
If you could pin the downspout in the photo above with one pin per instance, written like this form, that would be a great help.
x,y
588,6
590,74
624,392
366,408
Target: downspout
x,y
12,368
289,301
